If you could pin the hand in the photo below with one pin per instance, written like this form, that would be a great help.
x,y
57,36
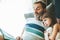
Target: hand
x,y
46,35
18,38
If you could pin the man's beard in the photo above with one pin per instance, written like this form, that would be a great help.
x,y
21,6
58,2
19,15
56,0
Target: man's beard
x,y
39,15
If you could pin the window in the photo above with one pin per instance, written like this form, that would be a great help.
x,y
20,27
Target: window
x,y
12,15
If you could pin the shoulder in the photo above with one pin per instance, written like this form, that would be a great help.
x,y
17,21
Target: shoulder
x,y
56,25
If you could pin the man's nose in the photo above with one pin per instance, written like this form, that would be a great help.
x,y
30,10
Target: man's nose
x,y
35,11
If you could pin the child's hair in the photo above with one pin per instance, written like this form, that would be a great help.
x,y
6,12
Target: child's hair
x,y
51,16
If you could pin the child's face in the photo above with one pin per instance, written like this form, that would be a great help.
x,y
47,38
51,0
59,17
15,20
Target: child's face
x,y
47,22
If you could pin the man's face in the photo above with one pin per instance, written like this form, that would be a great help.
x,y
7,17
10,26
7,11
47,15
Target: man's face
x,y
38,9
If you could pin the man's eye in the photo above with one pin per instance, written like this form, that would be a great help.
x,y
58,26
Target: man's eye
x,y
38,8
44,20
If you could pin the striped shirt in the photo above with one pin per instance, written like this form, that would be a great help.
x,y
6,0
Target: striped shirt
x,y
33,31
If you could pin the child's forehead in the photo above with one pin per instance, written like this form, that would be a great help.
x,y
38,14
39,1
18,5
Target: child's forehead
x,y
46,18
46,15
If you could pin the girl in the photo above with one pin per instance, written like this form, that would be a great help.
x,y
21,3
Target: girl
x,y
53,31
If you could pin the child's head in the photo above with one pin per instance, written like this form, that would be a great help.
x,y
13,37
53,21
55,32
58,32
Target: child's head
x,y
48,19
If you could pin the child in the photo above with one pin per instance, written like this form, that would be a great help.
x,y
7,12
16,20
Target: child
x,y
53,32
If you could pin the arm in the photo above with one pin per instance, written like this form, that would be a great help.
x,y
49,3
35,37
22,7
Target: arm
x,y
1,37
54,33
22,32
46,35
19,37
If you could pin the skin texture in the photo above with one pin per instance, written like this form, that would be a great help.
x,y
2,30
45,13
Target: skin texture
x,y
1,37
38,10
55,31
56,27
46,21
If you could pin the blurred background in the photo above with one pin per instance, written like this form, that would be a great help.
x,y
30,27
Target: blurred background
x,y
12,18
13,14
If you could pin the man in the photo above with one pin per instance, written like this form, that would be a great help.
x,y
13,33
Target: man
x,y
39,9
34,26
